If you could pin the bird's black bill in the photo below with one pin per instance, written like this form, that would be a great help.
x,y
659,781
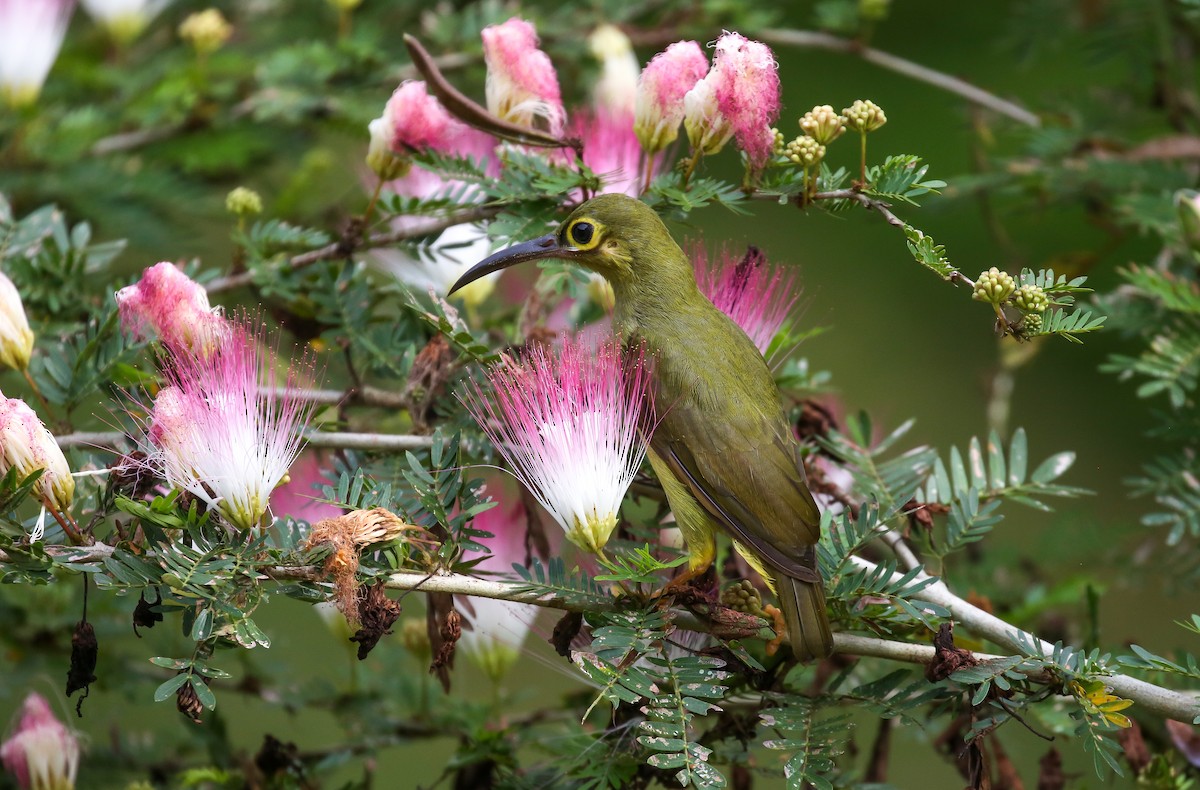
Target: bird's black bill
x,y
545,247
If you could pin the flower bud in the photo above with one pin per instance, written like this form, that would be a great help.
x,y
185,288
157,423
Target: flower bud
x,y
707,129
41,753
1030,299
1187,204
27,446
205,30
659,104
616,90
742,596
415,635
805,151
380,158
175,306
1032,324
739,96
822,124
873,10
16,338
31,34
864,116
522,86
124,20
242,202
993,286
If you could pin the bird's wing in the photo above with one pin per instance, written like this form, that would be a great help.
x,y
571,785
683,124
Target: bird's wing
x,y
774,514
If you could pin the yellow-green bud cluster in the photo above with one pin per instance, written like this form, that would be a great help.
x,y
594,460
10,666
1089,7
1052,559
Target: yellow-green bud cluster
x,y
864,116
1032,324
805,151
873,10
776,141
205,30
742,596
994,286
242,202
1030,299
822,124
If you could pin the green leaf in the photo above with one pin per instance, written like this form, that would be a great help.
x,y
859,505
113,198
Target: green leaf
x,y
170,687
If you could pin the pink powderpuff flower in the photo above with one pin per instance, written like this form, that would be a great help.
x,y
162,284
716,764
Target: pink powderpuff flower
x,y
419,122
176,307
610,149
27,446
739,97
412,121
41,753
31,34
498,627
659,102
572,423
300,496
757,296
522,86
222,430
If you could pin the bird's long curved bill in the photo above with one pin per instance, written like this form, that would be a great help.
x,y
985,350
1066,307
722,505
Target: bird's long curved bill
x,y
544,247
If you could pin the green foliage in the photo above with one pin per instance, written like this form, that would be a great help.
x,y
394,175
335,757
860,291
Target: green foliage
x,y
929,253
812,742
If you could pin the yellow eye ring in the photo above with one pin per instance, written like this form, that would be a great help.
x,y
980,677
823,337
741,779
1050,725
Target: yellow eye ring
x,y
584,233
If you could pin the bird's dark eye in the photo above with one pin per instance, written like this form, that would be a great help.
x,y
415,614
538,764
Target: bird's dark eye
x,y
582,232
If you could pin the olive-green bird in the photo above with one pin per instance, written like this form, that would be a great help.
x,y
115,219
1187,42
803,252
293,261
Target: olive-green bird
x,y
723,448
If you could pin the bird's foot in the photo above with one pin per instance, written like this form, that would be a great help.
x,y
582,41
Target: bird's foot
x,y
691,586
780,626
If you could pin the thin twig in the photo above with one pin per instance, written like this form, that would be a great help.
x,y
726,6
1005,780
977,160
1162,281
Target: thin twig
x,y
908,559
811,39
345,247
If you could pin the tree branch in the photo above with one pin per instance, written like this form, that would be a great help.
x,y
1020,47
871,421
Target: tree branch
x,y
384,442
1182,706
810,39
347,246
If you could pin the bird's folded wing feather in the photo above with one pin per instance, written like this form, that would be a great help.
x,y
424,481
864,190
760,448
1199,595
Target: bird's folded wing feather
x,y
755,489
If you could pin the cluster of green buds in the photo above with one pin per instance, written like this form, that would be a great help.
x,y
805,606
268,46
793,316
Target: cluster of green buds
x,y
743,596
821,125
207,31
864,116
997,288
805,151
242,202
994,286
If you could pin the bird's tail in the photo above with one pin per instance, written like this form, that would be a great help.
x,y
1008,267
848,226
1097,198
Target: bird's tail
x,y
803,605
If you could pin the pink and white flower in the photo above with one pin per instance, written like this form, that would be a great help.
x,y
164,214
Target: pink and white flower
x,y
573,425
739,97
222,430
616,89
27,446
659,102
41,753
498,627
123,19
757,296
16,338
610,149
175,307
522,86
31,34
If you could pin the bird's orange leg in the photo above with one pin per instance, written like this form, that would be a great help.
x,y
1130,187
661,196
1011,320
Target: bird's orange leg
x,y
779,625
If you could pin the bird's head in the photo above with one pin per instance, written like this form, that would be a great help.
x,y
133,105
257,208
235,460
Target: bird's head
x,y
616,236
